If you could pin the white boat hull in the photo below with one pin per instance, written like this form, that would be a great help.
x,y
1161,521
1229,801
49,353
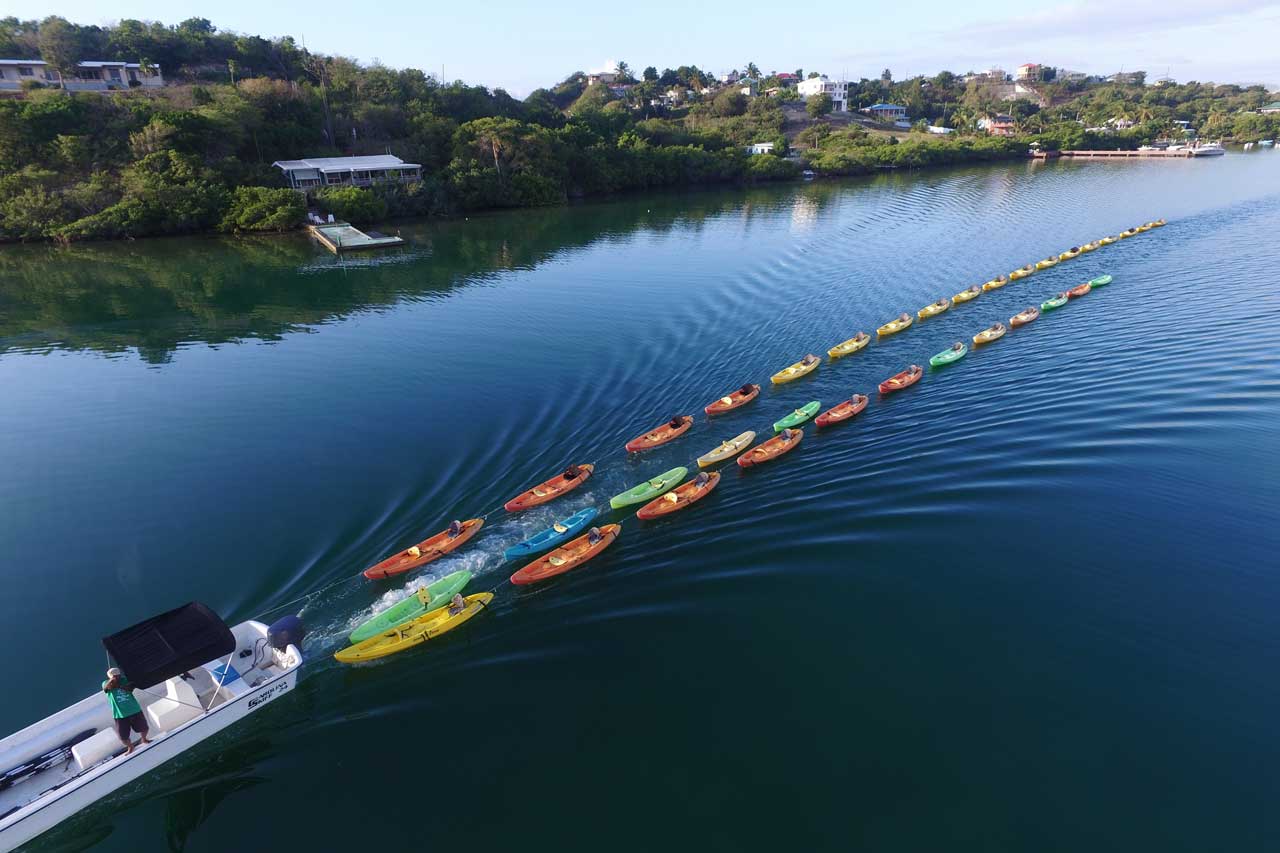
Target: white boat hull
x,y
88,786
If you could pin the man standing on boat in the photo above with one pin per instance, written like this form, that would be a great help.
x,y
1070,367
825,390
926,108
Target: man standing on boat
x,y
125,709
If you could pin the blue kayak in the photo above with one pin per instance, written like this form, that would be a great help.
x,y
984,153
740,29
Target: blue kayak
x,y
560,532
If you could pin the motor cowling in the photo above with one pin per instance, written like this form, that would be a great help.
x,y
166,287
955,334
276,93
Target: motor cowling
x,y
285,631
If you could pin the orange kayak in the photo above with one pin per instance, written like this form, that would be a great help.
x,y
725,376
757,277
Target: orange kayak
x,y
843,411
679,497
567,557
1022,318
1080,290
729,402
771,449
906,378
424,552
672,429
551,489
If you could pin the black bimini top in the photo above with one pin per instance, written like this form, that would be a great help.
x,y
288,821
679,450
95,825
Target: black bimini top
x,y
163,646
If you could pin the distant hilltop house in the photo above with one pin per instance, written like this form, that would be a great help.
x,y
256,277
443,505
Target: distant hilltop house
x,y
991,75
838,91
749,86
1128,78
886,112
90,76
1065,76
786,77
1029,72
1273,107
997,125
605,77
760,148
347,171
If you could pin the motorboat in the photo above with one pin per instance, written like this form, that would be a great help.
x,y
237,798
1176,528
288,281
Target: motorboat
x,y
1266,143
192,676
1208,149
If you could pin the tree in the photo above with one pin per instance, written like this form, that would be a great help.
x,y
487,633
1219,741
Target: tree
x,y
753,70
886,76
623,70
818,105
730,102
799,72
650,74
61,46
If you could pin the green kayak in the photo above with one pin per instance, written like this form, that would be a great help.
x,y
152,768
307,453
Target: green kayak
x,y
1101,280
433,595
798,417
949,355
1056,302
649,489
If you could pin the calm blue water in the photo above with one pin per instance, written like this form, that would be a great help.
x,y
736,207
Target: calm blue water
x,y
1027,604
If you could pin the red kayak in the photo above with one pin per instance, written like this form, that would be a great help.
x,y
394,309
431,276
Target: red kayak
x,y
729,402
905,379
672,429
771,449
843,411
1079,290
1022,318
567,557
679,497
566,481
424,552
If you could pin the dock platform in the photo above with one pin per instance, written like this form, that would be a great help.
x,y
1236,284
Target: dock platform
x,y
1046,155
340,237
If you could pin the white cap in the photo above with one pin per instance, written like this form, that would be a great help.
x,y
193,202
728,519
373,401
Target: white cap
x,y
114,672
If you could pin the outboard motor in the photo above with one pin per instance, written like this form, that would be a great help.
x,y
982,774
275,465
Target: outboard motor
x,y
286,630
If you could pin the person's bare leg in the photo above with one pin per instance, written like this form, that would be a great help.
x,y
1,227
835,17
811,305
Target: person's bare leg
x,y
128,747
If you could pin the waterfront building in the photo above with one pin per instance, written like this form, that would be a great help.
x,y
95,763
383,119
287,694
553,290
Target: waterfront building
x,y
837,90
1273,107
997,125
91,75
347,171
760,148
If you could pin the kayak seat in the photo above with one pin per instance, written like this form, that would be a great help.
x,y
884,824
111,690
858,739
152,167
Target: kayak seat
x,y
98,748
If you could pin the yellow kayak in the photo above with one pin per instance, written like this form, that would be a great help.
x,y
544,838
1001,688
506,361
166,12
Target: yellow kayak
x,y
1089,247
1022,272
850,346
996,283
426,627
1157,223
894,326
1107,241
1073,252
966,295
727,450
1046,263
986,336
1142,228
1127,233
801,368
933,309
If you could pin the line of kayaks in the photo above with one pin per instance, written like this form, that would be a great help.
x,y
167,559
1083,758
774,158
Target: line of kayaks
x,y
439,607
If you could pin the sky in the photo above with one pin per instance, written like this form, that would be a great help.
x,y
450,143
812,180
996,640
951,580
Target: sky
x,y
520,46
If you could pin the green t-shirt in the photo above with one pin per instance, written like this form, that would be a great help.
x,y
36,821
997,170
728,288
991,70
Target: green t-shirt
x,y
121,698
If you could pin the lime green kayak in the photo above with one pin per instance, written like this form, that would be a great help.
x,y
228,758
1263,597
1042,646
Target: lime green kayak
x,y
415,604
1101,280
649,489
1056,302
949,355
798,417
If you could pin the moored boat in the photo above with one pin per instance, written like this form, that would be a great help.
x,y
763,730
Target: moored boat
x,y
192,676
566,481
857,342
428,550
902,321
842,411
1024,316
988,335
733,400
902,379
803,367
660,435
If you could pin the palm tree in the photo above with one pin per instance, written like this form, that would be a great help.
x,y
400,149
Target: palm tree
x,y
753,70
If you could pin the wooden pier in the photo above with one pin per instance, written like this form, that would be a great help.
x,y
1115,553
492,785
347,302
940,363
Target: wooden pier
x,y
1049,155
340,237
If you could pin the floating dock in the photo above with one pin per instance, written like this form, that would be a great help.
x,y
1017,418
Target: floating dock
x,y
1048,155
340,237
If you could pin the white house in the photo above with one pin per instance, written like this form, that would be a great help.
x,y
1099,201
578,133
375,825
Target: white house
x,y
760,148
90,76
605,77
354,171
750,86
886,112
839,91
